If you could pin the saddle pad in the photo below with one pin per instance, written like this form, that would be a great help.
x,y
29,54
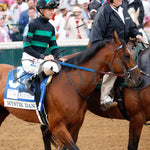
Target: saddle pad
x,y
15,94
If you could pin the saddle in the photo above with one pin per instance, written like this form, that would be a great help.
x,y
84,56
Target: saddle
x,y
16,95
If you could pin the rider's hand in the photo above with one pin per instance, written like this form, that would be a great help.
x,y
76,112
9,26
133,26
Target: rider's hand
x,y
62,59
49,57
139,38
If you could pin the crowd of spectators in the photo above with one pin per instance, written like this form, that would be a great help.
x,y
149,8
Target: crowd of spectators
x,y
72,19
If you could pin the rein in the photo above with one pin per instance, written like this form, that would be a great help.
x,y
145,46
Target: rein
x,y
126,73
87,69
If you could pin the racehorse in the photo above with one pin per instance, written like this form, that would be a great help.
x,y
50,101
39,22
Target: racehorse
x,y
65,102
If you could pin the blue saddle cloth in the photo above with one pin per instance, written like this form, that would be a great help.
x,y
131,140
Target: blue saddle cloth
x,y
16,95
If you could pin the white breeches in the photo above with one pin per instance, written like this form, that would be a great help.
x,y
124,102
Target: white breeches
x,y
107,85
31,64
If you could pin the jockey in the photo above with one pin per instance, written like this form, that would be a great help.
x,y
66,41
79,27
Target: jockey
x,y
41,34
110,17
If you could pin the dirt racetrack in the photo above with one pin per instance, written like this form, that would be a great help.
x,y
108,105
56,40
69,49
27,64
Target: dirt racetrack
x,y
96,134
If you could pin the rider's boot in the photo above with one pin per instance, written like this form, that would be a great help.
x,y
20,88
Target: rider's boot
x,y
40,76
28,83
108,103
107,85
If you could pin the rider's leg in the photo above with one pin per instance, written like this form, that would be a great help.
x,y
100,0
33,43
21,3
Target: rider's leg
x,y
48,68
107,85
40,76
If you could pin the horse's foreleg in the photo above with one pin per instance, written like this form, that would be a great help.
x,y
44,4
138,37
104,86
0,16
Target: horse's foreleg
x,y
3,114
63,135
135,129
74,136
74,131
46,137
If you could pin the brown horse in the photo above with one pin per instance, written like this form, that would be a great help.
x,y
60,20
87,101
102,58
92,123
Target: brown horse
x,y
65,97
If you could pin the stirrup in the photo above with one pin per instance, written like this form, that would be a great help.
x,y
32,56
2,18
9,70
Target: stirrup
x,y
108,105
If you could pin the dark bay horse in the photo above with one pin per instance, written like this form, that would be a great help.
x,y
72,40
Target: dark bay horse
x,y
65,102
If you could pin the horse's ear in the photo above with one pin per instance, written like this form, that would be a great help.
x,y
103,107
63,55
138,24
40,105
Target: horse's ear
x,y
116,38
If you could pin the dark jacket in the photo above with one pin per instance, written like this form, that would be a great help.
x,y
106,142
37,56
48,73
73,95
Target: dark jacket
x,y
107,20
41,34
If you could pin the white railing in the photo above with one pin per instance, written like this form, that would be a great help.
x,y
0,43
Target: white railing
x,y
65,43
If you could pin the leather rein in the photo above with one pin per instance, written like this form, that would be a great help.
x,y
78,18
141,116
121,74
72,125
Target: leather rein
x,y
126,73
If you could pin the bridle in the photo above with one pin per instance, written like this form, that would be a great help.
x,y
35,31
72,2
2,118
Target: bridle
x,y
126,72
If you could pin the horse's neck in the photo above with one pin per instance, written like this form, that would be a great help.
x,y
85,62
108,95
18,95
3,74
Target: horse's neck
x,y
101,60
87,81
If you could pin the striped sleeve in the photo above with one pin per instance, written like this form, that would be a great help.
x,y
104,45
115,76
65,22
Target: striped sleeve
x,y
52,42
28,42
53,47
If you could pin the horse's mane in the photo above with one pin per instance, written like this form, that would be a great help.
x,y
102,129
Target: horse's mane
x,y
84,56
87,54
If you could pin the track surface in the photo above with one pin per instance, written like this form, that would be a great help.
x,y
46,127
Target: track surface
x,y
96,134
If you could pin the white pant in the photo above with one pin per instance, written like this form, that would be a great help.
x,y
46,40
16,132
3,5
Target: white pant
x,y
31,64
107,85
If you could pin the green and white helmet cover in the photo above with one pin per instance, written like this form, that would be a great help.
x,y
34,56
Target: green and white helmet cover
x,y
47,4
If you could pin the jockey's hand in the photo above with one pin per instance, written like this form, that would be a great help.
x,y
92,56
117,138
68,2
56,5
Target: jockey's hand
x,y
139,38
62,59
49,57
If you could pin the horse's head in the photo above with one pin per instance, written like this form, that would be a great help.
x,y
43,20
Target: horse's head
x,y
122,61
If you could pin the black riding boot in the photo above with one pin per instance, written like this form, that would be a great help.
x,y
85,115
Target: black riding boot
x,y
29,81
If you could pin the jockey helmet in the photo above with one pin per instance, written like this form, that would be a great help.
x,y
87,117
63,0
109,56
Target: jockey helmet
x,y
46,4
